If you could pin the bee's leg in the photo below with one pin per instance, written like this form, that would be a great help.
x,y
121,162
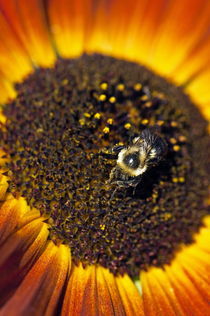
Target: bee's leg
x,y
133,183
117,148
113,193
134,189
107,155
112,175
119,185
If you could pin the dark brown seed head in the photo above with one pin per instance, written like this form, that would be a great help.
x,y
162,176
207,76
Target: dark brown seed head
x,y
60,122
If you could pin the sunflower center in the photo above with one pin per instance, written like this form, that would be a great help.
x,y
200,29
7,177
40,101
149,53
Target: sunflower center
x,y
59,135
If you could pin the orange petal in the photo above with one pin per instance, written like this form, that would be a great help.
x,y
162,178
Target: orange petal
x,y
81,293
203,239
130,296
19,253
197,258
98,38
11,212
196,62
29,216
69,24
182,25
127,27
181,288
172,294
14,213
145,31
162,294
198,273
95,291
3,188
186,292
41,289
28,20
154,298
109,299
205,109
199,88
7,91
14,60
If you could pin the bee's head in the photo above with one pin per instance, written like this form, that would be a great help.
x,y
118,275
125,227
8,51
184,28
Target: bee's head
x,y
145,151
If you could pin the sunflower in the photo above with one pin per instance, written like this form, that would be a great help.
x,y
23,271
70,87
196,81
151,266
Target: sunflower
x,y
82,83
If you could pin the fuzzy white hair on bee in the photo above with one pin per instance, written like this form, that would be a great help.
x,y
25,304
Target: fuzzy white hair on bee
x,y
136,158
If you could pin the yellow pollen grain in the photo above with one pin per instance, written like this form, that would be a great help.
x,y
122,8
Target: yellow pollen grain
x,y
82,122
159,95
174,124
104,85
173,140
120,87
87,114
102,97
167,216
148,104
182,139
102,227
175,180
181,179
155,209
127,125
39,130
155,195
145,121
176,147
112,99
152,121
97,116
106,130
64,82
160,123
110,121
144,98
138,86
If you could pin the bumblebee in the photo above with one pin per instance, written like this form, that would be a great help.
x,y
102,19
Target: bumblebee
x,y
133,160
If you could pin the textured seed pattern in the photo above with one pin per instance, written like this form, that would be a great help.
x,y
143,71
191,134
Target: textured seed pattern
x,y
57,131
